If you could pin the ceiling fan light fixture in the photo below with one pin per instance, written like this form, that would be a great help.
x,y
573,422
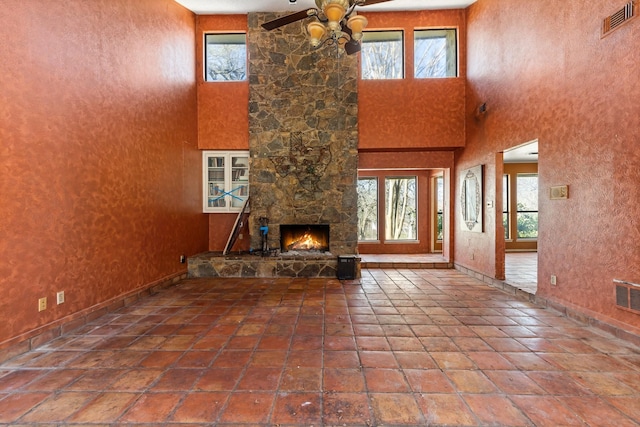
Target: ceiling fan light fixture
x,y
343,39
336,23
357,23
334,13
316,32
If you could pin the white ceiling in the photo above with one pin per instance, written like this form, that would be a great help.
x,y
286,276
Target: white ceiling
x,y
211,7
525,153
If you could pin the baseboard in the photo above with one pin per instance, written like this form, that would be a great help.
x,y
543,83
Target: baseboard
x,y
569,312
43,334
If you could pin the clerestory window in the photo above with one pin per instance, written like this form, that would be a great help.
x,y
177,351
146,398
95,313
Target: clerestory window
x,y
382,55
225,57
435,53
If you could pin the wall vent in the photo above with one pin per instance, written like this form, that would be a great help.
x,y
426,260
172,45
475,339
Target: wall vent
x,y
610,23
627,295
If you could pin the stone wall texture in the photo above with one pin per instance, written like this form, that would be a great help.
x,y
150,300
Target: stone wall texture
x,y
303,134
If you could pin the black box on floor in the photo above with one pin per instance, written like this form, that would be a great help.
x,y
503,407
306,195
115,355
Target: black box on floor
x,y
347,267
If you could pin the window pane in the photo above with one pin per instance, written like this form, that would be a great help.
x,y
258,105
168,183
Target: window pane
x,y
505,206
527,202
439,207
527,185
382,55
505,223
528,225
435,53
367,209
239,181
215,182
401,211
226,57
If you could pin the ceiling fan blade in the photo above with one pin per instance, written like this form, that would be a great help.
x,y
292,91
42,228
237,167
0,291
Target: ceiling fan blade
x,y
370,2
288,19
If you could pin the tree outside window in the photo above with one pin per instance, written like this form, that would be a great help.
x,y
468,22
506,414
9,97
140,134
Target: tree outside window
x,y
401,208
435,53
367,209
527,206
225,57
382,55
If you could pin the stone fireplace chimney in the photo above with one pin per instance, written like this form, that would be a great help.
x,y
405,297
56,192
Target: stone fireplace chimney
x,y
303,135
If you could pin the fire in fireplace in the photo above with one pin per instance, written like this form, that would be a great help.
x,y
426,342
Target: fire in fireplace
x,y
304,237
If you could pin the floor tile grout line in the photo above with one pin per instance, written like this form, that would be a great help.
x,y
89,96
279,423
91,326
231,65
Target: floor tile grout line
x,y
536,331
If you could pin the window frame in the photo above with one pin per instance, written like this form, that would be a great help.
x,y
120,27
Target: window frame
x,y
230,185
526,211
205,55
437,207
438,203
377,203
402,59
506,205
452,50
416,231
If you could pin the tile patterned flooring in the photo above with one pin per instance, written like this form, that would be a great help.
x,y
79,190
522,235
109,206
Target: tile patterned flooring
x,y
521,270
402,348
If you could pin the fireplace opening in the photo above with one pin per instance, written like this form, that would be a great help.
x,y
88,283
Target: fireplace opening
x,y
304,237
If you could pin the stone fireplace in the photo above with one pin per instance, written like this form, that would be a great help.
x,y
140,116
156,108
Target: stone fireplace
x,y
303,144
303,135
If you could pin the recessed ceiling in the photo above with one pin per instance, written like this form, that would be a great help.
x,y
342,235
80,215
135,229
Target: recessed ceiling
x,y
214,7
525,153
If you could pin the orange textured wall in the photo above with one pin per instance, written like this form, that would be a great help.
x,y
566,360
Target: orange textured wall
x,y
223,107
545,72
406,159
414,113
99,168
220,227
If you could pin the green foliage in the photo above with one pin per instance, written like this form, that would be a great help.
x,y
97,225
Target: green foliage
x,y
527,224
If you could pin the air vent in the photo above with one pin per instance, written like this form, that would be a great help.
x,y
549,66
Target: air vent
x,y
614,21
627,295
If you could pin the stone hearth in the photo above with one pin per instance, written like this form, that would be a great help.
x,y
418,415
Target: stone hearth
x,y
214,264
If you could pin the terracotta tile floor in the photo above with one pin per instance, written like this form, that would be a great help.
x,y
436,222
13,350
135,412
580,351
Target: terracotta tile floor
x,y
521,270
405,347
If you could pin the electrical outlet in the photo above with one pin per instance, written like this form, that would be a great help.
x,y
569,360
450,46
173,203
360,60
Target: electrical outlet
x,y
554,280
182,259
42,304
60,297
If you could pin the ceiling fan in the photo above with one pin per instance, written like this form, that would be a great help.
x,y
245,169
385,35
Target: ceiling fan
x,y
337,17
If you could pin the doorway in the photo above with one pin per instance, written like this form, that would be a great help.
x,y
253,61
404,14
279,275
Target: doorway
x,y
520,215
403,212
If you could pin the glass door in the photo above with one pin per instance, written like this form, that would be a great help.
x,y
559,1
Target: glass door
x,y
216,182
239,180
